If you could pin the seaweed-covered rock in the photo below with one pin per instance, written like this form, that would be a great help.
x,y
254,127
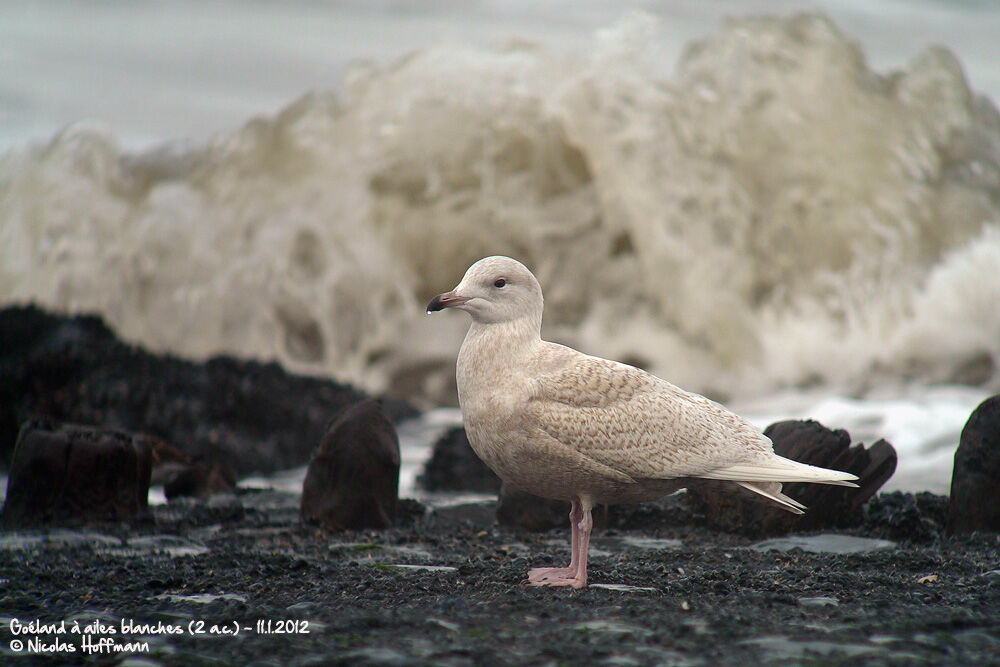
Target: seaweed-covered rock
x,y
975,479
726,506
252,415
69,473
453,466
353,477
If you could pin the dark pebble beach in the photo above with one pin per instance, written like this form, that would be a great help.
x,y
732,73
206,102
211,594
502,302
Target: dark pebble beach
x,y
448,587
237,578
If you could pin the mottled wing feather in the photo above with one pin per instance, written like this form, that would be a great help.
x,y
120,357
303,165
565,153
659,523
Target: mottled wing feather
x,y
636,423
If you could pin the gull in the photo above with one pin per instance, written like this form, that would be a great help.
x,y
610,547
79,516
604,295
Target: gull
x,y
557,423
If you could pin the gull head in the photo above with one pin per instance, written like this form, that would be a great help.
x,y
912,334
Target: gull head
x,y
495,289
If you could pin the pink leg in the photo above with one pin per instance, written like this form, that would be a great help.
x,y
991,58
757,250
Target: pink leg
x,y
580,579
575,575
540,575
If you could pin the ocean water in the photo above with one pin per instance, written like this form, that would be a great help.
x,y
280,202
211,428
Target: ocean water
x,y
797,214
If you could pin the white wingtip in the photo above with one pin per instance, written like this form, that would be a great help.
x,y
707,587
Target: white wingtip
x,y
780,469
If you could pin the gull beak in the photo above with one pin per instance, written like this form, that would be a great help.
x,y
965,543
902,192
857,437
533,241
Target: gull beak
x,y
446,300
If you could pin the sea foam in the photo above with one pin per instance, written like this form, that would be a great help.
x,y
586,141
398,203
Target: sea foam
x,y
773,214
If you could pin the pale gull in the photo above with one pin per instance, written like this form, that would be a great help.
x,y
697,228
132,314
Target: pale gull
x,y
561,424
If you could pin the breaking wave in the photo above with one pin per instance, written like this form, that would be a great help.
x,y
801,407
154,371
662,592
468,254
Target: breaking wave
x,y
772,214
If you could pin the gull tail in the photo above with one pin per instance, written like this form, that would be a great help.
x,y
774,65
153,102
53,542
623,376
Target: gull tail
x,y
772,491
779,469
765,478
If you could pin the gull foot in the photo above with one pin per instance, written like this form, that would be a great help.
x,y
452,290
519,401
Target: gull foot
x,y
561,581
539,575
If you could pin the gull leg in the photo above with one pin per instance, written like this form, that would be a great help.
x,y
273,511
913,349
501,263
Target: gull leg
x,y
540,576
580,579
576,574
575,517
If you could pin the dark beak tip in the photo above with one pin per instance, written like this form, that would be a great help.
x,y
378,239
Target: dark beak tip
x,y
435,305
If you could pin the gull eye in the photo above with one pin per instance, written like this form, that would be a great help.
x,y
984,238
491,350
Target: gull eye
x,y
500,282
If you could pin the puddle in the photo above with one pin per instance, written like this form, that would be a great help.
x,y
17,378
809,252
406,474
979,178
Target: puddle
x,y
829,543
651,542
429,568
354,546
411,552
624,588
442,623
818,602
202,598
779,647
171,545
58,538
615,628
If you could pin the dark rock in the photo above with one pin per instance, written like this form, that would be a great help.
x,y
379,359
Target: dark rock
x,y
523,510
409,511
263,507
480,514
453,466
165,455
919,517
181,476
73,369
810,442
187,512
732,508
975,479
353,477
71,473
529,512
673,510
198,480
